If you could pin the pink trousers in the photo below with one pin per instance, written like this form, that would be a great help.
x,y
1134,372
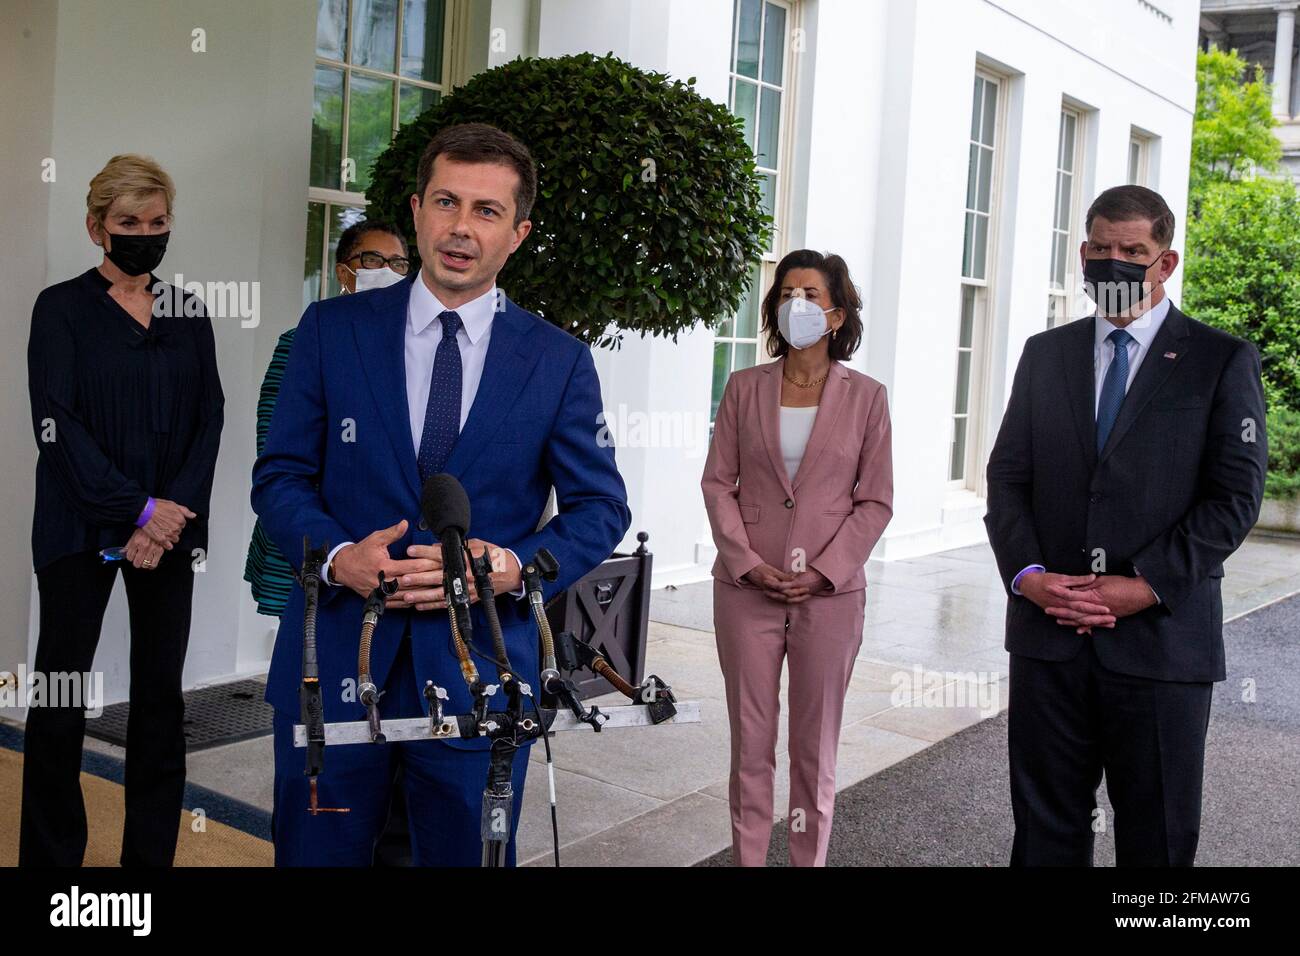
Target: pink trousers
x,y
755,634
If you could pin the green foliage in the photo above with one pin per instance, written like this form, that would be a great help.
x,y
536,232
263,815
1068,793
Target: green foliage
x,y
1243,274
1232,132
1243,242
648,212
1283,454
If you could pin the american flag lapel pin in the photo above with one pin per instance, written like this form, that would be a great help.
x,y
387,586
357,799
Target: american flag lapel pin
x,y
1171,355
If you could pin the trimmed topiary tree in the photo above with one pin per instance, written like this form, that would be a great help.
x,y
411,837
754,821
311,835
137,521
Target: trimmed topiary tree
x,y
648,214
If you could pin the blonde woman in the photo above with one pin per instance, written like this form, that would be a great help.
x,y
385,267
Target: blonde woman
x,y
127,412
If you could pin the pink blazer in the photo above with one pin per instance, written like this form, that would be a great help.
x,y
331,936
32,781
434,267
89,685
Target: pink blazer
x,y
841,497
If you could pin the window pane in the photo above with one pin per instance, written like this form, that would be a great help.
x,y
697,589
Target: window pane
x,y
1134,155
311,271
327,128
340,218
422,23
374,36
963,382
957,462
1067,160
414,100
744,103
331,28
966,336
370,125
981,246
747,316
749,12
972,174
769,128
721,369
1064,187
968,244
984,197
975,109
767,186
990,112
744,355
773,43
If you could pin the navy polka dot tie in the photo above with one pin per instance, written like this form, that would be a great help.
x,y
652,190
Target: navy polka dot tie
x,y
442,414
1113,387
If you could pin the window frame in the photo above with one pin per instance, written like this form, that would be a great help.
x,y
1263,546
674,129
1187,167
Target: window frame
x,y
1065,296
981,363
782,198
343,198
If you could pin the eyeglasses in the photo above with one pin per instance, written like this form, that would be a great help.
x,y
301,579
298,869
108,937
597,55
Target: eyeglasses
x,y
373,260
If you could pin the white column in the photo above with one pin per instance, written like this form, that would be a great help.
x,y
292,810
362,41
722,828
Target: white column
x,y
1282,60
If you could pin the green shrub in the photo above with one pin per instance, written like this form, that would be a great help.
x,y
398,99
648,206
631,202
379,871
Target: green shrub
x,y
649,212
1283,454
1243,274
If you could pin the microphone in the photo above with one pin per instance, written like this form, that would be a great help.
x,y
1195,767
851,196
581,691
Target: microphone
x,y
444,506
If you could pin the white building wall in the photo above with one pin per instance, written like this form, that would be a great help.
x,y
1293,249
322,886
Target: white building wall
x,y
232,127
883,93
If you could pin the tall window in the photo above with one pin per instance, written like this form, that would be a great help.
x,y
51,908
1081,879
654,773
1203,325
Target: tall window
x,y
1065,217
981,189
379,64
1139,152
759,95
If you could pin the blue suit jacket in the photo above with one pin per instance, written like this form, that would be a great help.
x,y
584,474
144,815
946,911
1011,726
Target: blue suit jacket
x,y
339,464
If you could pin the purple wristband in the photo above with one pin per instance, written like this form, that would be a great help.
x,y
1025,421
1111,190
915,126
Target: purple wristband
x,y
146,514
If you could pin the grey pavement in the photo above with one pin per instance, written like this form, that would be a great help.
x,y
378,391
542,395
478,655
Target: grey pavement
x,y
658,796
950,805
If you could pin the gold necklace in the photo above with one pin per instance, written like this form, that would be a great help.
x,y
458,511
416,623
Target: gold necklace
x,y
813,384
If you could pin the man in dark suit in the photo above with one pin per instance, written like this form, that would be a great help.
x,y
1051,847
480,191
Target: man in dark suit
x,y
1130,463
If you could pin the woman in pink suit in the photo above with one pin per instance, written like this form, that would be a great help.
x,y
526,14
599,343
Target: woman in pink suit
x,y
799,487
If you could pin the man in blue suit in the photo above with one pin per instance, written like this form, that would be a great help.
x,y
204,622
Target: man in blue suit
x,y
438,373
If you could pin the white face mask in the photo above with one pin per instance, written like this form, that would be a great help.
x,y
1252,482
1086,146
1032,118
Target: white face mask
x,y
375,278
801,323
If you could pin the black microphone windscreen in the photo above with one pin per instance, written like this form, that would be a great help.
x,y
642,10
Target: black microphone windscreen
x,y
444,504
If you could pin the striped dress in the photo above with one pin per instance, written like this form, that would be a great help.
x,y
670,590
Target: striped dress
x,y
266,569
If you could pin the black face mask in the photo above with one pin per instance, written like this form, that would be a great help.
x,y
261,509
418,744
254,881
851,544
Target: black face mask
x,y
136,255
1115,284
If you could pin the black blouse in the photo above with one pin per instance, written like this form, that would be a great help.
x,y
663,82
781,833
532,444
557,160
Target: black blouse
x,y
121,413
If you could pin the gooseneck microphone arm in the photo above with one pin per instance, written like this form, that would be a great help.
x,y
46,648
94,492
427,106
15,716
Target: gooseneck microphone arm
x,y
482,568
368,693
543,566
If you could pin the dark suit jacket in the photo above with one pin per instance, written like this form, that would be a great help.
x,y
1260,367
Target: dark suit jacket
x,y
1173,493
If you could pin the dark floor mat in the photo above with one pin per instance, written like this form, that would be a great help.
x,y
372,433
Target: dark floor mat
x,y
216,715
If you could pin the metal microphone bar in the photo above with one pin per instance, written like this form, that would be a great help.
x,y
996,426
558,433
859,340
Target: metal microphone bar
x,y
422,728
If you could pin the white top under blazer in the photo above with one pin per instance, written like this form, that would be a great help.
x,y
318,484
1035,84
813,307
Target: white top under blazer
x,y
796,427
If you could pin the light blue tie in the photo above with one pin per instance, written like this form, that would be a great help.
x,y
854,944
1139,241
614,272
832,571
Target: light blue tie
x,y
1113,387
442,413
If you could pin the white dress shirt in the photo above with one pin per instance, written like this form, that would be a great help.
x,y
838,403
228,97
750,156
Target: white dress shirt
x,y
1143,329
423,334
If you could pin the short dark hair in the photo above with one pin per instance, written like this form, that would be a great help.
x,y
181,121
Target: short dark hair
x,y
481,143
1127,203
843,294
350,238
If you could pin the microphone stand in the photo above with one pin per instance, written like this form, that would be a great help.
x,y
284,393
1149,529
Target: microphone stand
x,y
311,705
498,795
